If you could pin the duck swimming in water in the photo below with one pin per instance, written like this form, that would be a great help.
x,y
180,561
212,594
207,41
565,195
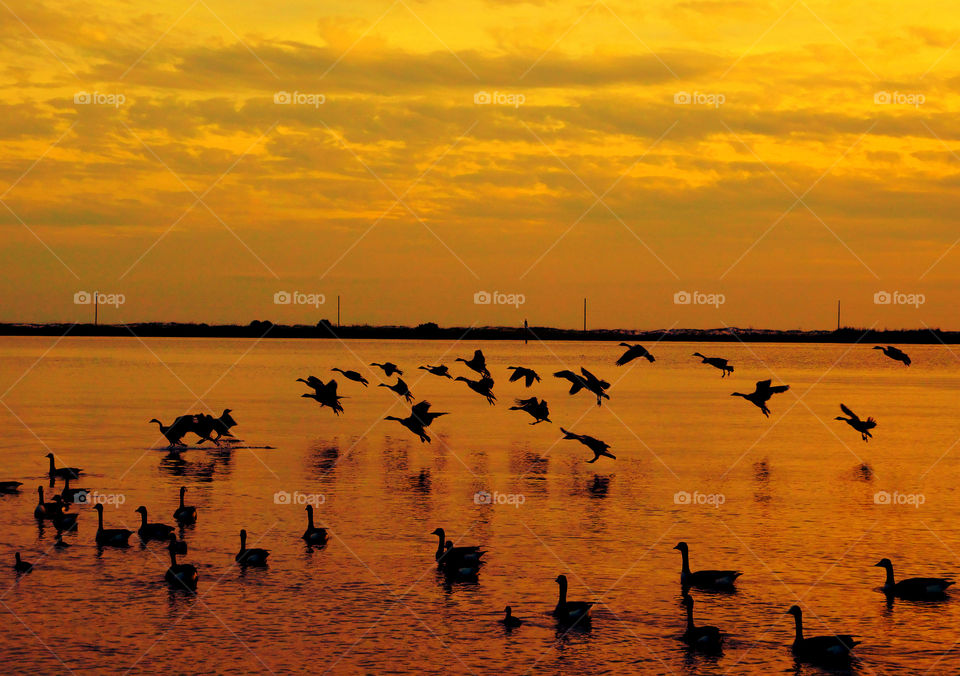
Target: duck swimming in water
x,y
824,649
914,587
709,579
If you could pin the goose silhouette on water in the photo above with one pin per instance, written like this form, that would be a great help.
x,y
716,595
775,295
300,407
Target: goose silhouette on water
x,y
706,579
185,513
521,373
717,363
570,611
862,426
537,408
73,495
914,587
45,510
761,395
324,394
483,387
62,472
152,531
110,537
895,354
62,520
461,568
820,648
180,574
313,535
10,486
389,368
478,363
585,381
419,419
352,375
250,557
509,619
20,565
400,389
705,638
450,555
598,447
440,370
634,352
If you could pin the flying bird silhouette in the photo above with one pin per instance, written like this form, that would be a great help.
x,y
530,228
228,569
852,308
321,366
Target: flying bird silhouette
x,y
352,375
598,447
528,375
478,363
717,363
895,354
761,395
420,417
440,370
389,368
324,394
483,387
535,407
862,426
634,351
400,388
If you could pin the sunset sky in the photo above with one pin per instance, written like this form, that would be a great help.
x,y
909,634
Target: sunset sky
x,y
816,161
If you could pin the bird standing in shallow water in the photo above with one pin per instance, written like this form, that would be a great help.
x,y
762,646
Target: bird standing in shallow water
x,y
862,426
633,352
598,447
761,395
895,354
717,363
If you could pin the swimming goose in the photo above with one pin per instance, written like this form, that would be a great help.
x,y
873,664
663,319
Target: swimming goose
x,y
820,648
528,375
62,472
440,370
352,375
45,510
389,368
185,513
598,447
509,620
112,537
483,387
250,557
180,574
152,531
702,638
76,496
458,567
709,579
10,486
895,354
420,417
62,520
634,351
570,611
324,394
400,388
862,426
20,565
478,363
717,363
914,587
535,407
313,535
469,554
761,395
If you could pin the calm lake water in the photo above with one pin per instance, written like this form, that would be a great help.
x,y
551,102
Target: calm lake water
x,y
798,513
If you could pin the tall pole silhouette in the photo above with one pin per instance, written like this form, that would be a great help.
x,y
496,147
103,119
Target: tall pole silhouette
x,y
96,307
838,315
584,315
338,311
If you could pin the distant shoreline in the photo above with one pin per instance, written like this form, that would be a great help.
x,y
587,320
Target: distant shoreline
x,y
431,331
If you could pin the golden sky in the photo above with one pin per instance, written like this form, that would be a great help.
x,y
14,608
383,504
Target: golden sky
x,y
816,160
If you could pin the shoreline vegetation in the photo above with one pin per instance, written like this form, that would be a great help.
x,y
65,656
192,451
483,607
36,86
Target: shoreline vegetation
x,y
431,331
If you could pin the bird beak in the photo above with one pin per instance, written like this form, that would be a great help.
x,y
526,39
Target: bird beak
x,y
878,564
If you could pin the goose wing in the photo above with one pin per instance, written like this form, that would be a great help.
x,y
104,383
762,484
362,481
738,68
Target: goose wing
x,y
850,413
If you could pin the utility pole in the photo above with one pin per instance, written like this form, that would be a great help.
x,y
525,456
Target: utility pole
x,y
584,315
338,310
838,315
96,307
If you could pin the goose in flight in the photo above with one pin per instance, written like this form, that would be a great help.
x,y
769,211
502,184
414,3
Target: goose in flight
x,y
862,426
420,417
527,375
483,387
705,579
717,363
585,381
389,368
62,472
400,388
702,638
820,648
895,354
352,375
535,407
324,394
761,395
633,352
478,363
914,587
598,447
440,370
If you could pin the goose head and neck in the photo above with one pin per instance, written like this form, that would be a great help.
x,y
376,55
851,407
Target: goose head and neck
x,y
243,540
685,553
440,535
40,493
171,547
310,517
52,466
183,489
562,581
888,565
798,620
99,509
154,420
142,511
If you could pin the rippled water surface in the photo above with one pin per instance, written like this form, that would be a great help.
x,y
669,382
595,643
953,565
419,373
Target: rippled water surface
x,y
799,512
